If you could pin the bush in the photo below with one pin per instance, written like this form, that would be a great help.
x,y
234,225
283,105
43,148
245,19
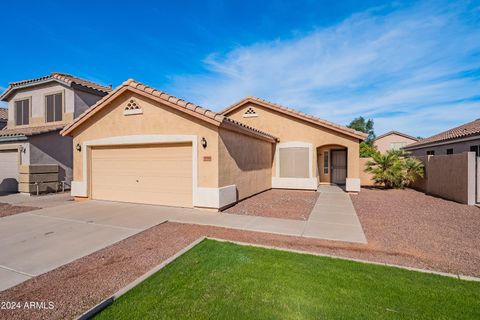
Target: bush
x,y
367,150
395,169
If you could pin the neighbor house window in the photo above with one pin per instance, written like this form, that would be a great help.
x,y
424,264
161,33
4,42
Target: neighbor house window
x,y
325,162
294,162
54,107
475,149
430,153
22,112
450,151
397,145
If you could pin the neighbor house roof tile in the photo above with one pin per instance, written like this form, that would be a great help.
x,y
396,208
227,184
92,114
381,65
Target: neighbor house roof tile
x,y
214,117
31,131
463,131
397,133
64,78
297,114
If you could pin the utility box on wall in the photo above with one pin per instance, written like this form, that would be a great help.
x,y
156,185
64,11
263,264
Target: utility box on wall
x,y
42,178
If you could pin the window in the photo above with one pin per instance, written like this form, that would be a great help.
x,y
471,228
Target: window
x,y
325,162
294,162
450,151
397,145
430,153
475,149
53,107
22,112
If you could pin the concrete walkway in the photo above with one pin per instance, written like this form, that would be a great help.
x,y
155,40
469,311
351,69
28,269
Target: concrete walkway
x,y
334,217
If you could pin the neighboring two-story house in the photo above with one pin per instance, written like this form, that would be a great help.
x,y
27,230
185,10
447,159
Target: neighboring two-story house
x,y
37,110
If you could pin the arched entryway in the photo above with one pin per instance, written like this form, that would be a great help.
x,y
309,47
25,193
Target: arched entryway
x,y
332,163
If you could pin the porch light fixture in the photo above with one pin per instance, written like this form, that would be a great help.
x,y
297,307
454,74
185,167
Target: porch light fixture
x,y
204,142
78,147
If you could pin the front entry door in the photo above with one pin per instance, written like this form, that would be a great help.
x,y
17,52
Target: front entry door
x,y
339,166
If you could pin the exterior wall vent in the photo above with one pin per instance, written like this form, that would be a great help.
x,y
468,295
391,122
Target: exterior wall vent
x,y
132,108
250,113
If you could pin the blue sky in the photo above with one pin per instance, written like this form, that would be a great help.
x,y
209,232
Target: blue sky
x,y
411,66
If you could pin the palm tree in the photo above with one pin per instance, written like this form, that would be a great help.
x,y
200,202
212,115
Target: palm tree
x,y
394,169
414,169
386,169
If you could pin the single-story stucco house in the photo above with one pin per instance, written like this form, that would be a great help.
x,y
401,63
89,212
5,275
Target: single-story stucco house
x,y
393,140
142,145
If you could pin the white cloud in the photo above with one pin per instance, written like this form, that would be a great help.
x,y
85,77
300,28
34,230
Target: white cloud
x,y
420,62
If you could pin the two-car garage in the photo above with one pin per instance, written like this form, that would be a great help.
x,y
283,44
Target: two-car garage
x,y
152,174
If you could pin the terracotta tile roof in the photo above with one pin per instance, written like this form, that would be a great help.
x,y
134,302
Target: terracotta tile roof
x,y
31,131
297,114
3,114
64,78
188,107
397,133
463,131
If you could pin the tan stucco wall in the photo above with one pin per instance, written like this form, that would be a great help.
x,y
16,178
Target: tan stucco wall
x,y
245,162
383,144
289,129
365,177
156,119
451,177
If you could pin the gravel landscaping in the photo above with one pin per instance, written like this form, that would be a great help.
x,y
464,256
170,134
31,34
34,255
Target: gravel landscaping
x,y
277,203
438,233
403,227
8,210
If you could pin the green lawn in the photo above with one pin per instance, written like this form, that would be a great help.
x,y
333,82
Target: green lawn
x,y
217,280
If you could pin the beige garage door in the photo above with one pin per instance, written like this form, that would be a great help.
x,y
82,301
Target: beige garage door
x,y
156,174
8,171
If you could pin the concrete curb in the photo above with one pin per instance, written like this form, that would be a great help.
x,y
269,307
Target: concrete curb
x,y
107,302
445,274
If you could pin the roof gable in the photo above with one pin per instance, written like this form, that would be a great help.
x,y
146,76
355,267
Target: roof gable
x,y
398,134
170,101
296,114
62,78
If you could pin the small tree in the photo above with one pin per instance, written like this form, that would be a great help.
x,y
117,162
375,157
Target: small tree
x,y
365,126
394,169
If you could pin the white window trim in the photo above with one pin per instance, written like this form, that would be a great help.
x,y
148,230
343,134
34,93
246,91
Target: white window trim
x,y
309,183
201,197
327,152
294,144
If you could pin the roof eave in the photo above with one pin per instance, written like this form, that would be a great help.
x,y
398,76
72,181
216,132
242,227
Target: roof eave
x,y
237,105
11,89
120,90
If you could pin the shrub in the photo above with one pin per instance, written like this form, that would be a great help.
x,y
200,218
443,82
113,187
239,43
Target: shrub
x,y
394,169
367,150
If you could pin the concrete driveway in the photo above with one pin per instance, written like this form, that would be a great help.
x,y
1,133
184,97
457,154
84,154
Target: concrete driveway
x,y
38,241
35,242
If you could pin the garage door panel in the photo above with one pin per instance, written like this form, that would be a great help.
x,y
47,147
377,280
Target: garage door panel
x,y
8,171
159,174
